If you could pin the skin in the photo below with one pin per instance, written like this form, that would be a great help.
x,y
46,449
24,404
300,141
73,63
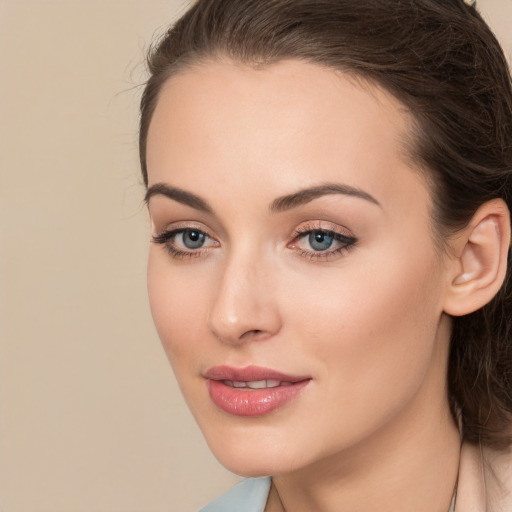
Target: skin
x,y
372,430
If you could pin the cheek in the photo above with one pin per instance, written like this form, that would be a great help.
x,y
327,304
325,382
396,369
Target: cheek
x,y
374,327
178,301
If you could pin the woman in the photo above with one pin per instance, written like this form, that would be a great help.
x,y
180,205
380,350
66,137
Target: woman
x,y
329,185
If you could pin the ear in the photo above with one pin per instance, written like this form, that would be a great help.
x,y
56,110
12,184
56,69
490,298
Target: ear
x,y
478,263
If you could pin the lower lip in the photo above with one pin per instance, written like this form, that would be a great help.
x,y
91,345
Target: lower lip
x,y
252,402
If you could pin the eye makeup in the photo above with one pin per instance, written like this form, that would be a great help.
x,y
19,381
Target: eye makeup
x,y
313,240
185,242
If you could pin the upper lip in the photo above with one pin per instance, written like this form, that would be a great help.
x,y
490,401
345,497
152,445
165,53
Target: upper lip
x,y
250,374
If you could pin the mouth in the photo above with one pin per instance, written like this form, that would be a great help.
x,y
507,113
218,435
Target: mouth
x,y
252,391
256,384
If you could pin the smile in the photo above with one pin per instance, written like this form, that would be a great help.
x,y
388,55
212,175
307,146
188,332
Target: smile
x,y
256,384
252,391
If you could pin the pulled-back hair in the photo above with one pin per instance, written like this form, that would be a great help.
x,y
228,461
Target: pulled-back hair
x,y
440,59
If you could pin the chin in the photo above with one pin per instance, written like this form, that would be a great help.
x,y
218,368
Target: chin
x,y
251,465
255,451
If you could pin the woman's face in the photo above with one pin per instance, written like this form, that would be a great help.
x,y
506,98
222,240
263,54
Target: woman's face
x,y
294,281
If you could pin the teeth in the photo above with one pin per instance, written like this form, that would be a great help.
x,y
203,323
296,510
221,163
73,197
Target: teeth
x,y
256,384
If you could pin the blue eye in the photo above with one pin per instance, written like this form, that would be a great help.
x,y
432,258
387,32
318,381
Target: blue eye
x,y
320,243
192,238
185,242
320,240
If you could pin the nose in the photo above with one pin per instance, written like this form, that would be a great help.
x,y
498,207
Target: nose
x,y
245,306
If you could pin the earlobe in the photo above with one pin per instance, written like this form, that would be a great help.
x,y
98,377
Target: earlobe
x,y
479,263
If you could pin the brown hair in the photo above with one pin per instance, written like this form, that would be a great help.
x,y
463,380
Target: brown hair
x,y
440,59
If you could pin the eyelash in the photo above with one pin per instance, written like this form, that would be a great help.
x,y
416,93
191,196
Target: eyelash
x,y
166,238
347,242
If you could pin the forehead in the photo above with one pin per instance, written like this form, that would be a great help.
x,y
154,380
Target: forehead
x,y
283,125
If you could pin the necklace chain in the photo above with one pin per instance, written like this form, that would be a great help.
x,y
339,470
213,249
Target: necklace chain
x,y
451,509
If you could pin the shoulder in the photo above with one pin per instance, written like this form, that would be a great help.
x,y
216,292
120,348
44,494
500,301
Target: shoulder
x,y
250,495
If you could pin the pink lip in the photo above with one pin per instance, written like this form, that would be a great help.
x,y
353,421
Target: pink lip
x,y
251,402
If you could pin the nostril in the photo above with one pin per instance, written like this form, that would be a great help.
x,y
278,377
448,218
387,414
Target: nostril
x,y
253,334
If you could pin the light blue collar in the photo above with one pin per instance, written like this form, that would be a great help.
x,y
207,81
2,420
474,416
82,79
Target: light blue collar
x,y
249,495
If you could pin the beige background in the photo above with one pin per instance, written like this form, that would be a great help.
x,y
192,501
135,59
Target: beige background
x,y
90,416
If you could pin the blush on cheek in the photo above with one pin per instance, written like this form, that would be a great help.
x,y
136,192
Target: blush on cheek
x,y
404,322
380,326
176,306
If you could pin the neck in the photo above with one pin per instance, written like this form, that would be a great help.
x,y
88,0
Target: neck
x,y
409,464
418,473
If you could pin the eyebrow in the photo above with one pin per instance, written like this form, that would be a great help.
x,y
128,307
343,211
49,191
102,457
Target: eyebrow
x,y
306,195
280,204
179,195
